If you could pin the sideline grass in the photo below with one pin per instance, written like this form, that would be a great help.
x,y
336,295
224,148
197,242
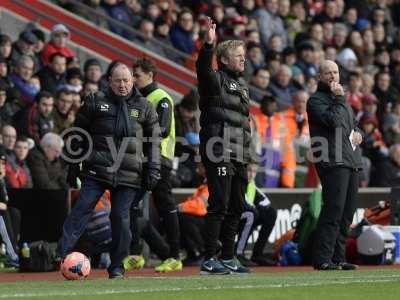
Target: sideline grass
x,y
368,284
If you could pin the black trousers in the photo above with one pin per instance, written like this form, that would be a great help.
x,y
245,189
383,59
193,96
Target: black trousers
x,y
339,191
167,210
227,183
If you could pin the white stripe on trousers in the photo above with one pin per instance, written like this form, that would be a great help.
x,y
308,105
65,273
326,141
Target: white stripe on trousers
x,y
244,235
6,240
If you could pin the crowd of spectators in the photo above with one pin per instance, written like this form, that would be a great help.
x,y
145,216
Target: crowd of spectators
x,y
286,41
42,82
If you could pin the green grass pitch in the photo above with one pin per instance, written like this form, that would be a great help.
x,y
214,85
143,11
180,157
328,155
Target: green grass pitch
x,y
352,285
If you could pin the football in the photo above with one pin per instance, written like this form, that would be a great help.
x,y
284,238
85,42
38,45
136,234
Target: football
x,y
75,266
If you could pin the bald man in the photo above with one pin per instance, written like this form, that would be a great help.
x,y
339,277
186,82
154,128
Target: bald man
x,y
335,141
117,121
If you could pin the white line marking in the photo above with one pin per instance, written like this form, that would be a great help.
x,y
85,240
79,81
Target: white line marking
x,y
389,278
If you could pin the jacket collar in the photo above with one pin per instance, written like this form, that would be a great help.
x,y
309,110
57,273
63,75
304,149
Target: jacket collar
x,y
324,88
148,89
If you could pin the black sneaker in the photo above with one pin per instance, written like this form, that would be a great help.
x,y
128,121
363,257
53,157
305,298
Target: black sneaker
x,y
345,266
235,266
327,267
117,273
213,266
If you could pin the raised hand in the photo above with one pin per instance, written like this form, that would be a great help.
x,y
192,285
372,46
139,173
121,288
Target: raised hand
x,y
337,89
210,33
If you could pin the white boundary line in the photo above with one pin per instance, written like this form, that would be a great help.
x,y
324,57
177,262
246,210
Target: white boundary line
x,y
379,279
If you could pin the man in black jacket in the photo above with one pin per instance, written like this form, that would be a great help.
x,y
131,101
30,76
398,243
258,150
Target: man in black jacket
x,y
224,147
116,123
335,141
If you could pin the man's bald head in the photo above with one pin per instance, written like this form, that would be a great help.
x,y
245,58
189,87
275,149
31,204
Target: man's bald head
x,y
121,79
329,72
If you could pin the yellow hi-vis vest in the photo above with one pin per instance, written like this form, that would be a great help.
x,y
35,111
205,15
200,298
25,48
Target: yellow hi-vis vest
x,y
168,143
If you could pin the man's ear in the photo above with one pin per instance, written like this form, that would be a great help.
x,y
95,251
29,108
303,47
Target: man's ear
x,y
224,60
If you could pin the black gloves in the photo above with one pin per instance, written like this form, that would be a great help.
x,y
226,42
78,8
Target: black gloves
x,y
150,179
73,173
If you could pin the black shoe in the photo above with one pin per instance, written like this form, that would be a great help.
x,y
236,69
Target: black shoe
x,y
235,266
213,266
345,266
263,260
245,261
327,267
116,274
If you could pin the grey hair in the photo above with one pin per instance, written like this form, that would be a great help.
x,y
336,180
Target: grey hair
x,y
52,140
25,59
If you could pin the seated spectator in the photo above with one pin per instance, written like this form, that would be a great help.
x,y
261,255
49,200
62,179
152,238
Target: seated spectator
x,y
89,87
63,118
182,32
387,173
5,48
24,46
52,76
74,79
258,211
18,174
92,71
37,120
119,12
4,78
373,145
21,79
187,129
48,171
386,94
306,59
58,43
191,218
254,60
187,124
76,105
9,135
354,95
269,22
134,11
146,28
259,80
391,126
6,112
282,88
96,17
161,33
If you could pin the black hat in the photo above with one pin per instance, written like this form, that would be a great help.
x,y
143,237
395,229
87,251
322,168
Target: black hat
x,y
39,35
74,73
91,62
28,37
2,152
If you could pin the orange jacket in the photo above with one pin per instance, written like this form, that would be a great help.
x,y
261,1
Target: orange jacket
x,y
281,137
289,159
196,204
